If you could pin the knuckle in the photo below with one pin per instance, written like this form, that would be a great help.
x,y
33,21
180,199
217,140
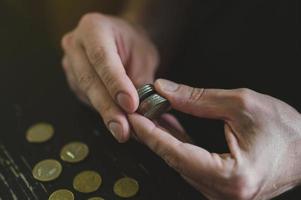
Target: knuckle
x,y
245,99
105,108
108,79
86,81
66,41
91,17
97,56
102,108
195,94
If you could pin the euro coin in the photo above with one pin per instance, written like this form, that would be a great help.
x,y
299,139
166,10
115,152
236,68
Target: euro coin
x,y
40,132
74,152
96,198
87,181
61,194
126,187
47,170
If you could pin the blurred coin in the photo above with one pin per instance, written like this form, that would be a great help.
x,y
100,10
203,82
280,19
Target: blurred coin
x,y
96,198
47,170
87,181
126,187
61,194
74,152
40,132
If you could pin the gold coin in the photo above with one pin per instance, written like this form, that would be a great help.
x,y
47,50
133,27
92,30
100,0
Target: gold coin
x,y
61,194
74,152
47,170
96,198
87,181
40,132
126,187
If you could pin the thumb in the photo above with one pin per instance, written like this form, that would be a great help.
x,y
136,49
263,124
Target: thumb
x,y
200,102
187,159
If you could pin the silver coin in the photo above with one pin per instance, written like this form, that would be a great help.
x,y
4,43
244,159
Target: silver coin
x,y
153,106
145,91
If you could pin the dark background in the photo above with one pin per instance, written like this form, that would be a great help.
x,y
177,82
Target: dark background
x,y
250,45
33,89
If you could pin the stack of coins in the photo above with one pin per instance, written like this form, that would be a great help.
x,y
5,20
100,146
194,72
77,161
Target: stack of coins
x,y
151,105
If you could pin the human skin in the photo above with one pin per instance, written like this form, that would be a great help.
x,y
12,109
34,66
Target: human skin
x,y
263,135
107,56
105,59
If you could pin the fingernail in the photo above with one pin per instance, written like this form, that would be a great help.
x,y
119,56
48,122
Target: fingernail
x,y
116,130
124,100
167,86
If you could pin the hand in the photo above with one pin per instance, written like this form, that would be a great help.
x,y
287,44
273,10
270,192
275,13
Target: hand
x,y
263,135
105,58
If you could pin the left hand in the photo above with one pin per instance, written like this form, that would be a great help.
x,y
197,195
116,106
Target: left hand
x,y
263,135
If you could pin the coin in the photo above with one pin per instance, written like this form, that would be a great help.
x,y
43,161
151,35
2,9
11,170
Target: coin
x,y
145,91
61,194
87,181
47,170
74,152
40,132
126,187
96,198
153,106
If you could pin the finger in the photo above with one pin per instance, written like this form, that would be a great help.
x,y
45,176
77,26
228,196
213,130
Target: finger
x,y
69,73
209,103
173,126
103,55
144,60
187,159
100,99
72,82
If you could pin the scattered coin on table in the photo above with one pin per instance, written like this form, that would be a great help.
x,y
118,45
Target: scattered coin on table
x,y
61,194
87,181
96,198
74,152
47,170
40,132
126,187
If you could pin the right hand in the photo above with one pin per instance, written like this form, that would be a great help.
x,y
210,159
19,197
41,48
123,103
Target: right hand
x,y
263,135
105,59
